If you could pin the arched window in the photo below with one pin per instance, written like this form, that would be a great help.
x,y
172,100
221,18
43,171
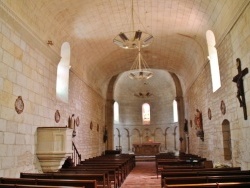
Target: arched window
x,y
213,57
116,112
175,111
145,114
62,82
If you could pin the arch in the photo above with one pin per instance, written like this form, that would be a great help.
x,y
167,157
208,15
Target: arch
x,y
226,134
213,57
128,137
135,136
165,134
62,81
117,139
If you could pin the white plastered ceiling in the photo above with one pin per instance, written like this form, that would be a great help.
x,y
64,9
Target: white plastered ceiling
x,y
178,26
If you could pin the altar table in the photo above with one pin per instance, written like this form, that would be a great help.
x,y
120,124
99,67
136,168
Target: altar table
x,y
149,148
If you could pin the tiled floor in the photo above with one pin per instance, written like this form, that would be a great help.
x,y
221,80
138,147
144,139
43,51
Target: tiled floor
x,y
142,176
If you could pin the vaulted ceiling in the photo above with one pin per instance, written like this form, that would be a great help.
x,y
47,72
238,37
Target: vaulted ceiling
x,y
178,26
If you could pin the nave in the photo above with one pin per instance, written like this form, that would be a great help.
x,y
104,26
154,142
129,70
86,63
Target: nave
x,y
143,175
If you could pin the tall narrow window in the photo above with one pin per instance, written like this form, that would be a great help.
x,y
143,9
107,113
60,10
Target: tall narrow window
x,y
62,82
145,114
116,112
213,57
175,111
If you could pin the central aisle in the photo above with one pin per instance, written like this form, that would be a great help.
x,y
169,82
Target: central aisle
x,y
142,176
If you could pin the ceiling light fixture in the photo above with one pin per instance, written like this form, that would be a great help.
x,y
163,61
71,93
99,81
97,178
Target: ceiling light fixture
x,y
139,69
143,95
130,39
135,40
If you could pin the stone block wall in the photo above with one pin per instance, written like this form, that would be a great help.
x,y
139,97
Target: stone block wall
x,y
236,44
26,70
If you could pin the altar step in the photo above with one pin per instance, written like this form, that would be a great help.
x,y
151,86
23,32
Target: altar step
x,y
144,158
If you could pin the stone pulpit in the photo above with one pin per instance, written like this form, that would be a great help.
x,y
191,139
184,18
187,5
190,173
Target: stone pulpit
x,y
54,145
147,149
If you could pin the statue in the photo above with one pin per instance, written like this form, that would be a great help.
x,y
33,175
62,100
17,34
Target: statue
x,y
238,79
198,123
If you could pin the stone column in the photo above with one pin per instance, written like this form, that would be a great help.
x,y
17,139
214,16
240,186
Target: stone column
x,y
109,119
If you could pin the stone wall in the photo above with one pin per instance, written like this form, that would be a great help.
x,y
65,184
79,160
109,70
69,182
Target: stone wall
x,y
26,70
236,44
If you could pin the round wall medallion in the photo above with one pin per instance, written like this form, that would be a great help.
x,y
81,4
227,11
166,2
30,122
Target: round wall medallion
x,y
209,113
223,107
57,116
19,105
77,121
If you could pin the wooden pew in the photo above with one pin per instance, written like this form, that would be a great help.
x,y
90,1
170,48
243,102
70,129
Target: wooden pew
x,y
112,173
49,182
182,163
211,185
179,169
201,173
34,186
113,170
101,178
205,179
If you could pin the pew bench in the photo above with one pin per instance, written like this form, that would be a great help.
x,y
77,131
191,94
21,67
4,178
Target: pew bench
x,y
205,179
35,186
211,185
101,178
112,169
112,174
202,173
178,163
196,168
49,182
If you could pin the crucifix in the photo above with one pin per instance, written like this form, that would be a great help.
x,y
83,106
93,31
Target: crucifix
x,y
238,79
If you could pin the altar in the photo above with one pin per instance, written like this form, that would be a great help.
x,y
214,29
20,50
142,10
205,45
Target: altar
x,y
149,148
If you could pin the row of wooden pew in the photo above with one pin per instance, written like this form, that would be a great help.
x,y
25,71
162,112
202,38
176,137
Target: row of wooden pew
x,y
186,161
181,176
103,171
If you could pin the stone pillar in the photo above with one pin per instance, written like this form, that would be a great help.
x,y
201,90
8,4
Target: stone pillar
x,y
181,120
109,119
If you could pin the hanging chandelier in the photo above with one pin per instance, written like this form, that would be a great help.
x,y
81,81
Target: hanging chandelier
x,y
140,69
135,40
130,39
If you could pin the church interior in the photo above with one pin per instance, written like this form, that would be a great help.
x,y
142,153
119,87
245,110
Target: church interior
x,y
140,80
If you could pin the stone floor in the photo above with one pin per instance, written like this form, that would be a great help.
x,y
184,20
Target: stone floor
x,y
142,176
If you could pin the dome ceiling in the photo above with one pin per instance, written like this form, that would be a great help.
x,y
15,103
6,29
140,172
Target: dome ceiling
x,y
178,26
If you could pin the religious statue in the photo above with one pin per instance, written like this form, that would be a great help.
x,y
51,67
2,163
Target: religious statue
x,y
72,124
238,79
105,135
198,124
198,119
186,126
